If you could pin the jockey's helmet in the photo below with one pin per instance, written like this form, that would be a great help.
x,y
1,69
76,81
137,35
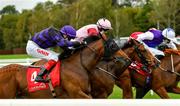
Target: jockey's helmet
x,y
69,31
169,33
104,24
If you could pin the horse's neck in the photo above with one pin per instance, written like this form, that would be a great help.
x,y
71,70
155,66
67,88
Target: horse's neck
x,y
90,55
129,52
105,72
178,46
167,61
107,66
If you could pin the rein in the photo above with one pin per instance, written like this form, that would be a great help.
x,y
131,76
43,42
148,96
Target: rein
x,y
116,59
140,55
169,71
144,59
172,64
107,72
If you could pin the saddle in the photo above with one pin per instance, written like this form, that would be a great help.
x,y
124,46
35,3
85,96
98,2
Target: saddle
x,y
54,78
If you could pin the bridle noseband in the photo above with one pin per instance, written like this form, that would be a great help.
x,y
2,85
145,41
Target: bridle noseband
x,y
143,59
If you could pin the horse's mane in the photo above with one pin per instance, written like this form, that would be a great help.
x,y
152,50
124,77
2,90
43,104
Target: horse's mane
x,y
91,39
88,40
171,51
127,44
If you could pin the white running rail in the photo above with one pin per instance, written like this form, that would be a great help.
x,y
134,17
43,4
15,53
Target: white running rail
x,y
27,61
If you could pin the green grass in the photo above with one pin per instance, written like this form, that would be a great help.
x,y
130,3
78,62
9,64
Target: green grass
x,y
117,94
18,56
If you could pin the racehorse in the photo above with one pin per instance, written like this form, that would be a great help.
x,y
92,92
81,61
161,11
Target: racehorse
x,y
168,79
104,76
74,74
178,46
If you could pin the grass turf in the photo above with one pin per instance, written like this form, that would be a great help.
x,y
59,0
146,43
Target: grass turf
x,y
18,56
117,94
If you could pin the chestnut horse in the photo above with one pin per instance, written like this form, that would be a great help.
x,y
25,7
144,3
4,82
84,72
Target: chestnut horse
x,y
105,76
178,46
74,74
168,80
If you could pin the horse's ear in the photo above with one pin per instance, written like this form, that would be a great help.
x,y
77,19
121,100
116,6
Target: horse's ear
x,y
130,41
134,41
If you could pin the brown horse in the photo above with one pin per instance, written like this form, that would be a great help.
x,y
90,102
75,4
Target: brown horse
x,y
105,76
74,75
168,80
178,46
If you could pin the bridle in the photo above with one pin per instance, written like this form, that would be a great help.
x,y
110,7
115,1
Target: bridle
x,y
143,59
109,49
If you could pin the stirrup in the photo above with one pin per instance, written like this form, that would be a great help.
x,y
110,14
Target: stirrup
x,y
40,79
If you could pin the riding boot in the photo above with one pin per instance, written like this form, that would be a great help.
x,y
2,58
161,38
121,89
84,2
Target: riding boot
x,y
44,70
65,54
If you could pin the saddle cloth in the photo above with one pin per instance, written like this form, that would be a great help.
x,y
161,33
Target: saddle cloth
x,y
35,86
136,66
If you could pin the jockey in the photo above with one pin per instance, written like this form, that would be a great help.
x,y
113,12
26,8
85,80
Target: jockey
x,y
100,27
153,38
38,46
170,38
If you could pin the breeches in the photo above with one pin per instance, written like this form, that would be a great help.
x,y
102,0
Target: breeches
x,y
34,50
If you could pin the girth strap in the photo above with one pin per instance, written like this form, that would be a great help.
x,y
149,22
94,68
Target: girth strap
x,y
51,87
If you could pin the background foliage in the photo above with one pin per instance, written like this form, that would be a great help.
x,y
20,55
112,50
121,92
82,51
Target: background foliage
x,y
126,16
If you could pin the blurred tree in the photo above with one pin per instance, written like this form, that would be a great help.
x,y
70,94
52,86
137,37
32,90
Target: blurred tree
x,y
41,17
141,19
166,12
59,16
123,21
22,29
9,9
1,39
126,16
66,1
8,24
86,12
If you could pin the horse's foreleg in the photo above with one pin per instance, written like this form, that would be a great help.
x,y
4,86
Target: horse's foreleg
x,y
162,92
175,90
83,95
141,92
125,84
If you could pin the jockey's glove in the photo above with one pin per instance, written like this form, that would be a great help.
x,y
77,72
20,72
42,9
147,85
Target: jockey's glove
x,y
76,44
84,43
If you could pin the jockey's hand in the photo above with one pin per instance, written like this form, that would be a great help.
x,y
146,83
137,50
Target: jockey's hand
x,y
84,43
76,44
71,48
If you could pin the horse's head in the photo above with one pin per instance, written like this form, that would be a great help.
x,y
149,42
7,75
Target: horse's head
x,y
113,53
137,51
108,50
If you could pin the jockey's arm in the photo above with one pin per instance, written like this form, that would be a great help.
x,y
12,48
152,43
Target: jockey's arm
x,y
92,32
145,36
171,45
65,43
